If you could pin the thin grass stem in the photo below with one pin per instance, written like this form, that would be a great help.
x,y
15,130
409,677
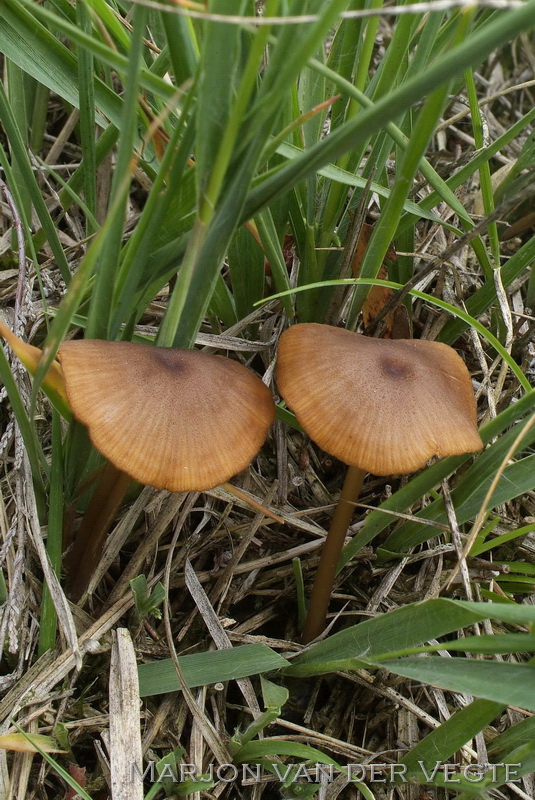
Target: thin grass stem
x,y
47,630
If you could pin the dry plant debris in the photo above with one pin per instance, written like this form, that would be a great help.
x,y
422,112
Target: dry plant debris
x,y
229,570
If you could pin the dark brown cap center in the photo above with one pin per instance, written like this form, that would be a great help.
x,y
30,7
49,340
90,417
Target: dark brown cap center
x,y
395,367
176,361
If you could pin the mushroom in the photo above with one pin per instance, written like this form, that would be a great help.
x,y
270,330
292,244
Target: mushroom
x,y
174,419
381,406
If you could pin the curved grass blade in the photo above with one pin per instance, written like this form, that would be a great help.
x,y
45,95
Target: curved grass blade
x,y
468,54
456,312
20,155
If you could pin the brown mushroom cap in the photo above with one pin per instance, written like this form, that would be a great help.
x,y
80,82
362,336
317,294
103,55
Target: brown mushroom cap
x,y
175,419
386,406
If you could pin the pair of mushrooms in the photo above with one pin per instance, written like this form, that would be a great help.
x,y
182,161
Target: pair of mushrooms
x,y
183,420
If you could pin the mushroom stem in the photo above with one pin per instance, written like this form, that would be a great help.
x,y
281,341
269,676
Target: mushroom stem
x,y
330,554
87,549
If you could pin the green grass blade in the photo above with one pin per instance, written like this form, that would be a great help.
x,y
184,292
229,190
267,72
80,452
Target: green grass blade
x,y
512,738
30,44
484,644
484,155
20,156
71,194
483,546
63,773
484,170
100,307
18,100
442,189
467,54
216,222
385,78
136,253
253,751
104,144
59,65
385,228
497,681
87,117
517,479
219,63
105,16
275,256
202,669
39,117
54,542
456,312
35,453
183,46
451,735
247,271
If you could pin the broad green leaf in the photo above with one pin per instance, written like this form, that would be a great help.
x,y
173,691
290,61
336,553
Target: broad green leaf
x,y
274,696
498,681
451,735
401,629
405,627
201,669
